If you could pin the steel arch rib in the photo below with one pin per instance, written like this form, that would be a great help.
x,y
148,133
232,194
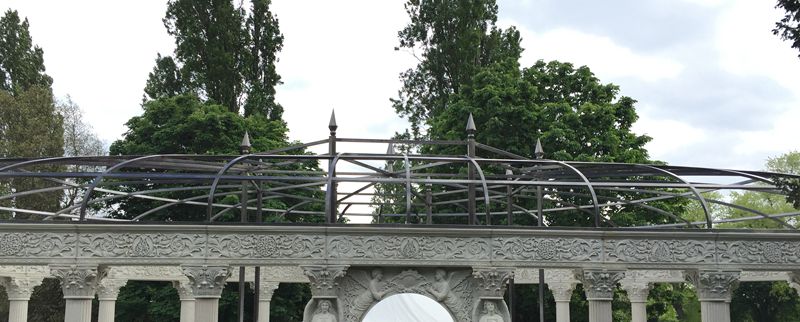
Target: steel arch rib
x,y
703,203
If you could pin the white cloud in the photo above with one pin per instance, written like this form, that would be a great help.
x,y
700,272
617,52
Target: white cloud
x,y
669,136
606,58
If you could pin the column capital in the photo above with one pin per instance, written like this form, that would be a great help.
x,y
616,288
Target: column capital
x,y
108,289
184,290
206,281
492,281
600,284
637,291
324,278
562,291
794,280
78,281
266,289
19,289
713,285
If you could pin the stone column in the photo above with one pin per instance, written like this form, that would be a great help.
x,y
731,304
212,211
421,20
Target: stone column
x,y
19,292
637,294
561,282
714,289
187,300
794,281
491,285
107,293
207,283
324,280
599,286
79,284
266,289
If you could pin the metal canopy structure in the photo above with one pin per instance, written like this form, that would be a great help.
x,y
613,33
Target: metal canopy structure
x,y
485,186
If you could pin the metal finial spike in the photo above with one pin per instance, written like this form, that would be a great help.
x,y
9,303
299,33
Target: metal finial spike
x,y
246,140
471,124
538,151
332,124
390,149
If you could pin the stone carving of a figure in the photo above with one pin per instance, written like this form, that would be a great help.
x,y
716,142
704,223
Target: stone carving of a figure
x,y
324,312
441,291
372,294
490,313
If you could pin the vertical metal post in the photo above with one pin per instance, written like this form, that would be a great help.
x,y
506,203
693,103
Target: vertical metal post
x,y
510,222
511,298
472,218
257,270
429,202
244,148
332,194
539,153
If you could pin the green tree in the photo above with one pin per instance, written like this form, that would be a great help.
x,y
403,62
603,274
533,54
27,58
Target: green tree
x,y
21,62
788,28
223,53
454,40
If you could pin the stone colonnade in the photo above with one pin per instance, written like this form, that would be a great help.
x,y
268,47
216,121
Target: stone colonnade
x,y
200,288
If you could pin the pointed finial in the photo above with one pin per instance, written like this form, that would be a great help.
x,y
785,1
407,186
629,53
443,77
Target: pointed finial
x,y
332,124
390,149
245,146
471,125
538,151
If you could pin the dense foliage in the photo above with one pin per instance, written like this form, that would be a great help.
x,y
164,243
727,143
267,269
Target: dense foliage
x,y
788,28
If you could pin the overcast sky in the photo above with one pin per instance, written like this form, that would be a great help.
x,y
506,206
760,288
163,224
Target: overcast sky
x,y
714,86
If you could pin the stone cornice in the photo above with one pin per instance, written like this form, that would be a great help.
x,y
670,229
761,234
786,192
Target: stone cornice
x,y
93,244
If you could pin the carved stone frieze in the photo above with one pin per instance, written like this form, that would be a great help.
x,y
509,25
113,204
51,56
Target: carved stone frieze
x,y
324,279
207,281
19,288
713,285
148,273
403,247
24,271
141,245
547,249
78,282
654,276
266,246
763,276
600,284
660,251
753,251
108,289
492,282
37,244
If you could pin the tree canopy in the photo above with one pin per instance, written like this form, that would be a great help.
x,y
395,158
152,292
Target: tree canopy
x,y
225,54
21,62
788,28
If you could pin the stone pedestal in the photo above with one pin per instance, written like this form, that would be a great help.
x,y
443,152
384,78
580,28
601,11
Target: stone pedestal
x,y
107,293
79,284
187,300
266,289
599,286
206,283
637,294
714,289
19,292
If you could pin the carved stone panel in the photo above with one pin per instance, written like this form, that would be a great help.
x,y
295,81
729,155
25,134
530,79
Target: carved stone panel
x,y
403,247
324,279
767,252
141,245
547,249
37,244
491,282
266,246
659,251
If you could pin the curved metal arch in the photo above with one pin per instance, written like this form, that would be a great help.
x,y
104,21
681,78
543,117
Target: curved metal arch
x,y
99,178
585,181
35,161
485,187
703,203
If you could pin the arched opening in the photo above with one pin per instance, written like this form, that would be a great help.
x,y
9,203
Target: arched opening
x,y
407,308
